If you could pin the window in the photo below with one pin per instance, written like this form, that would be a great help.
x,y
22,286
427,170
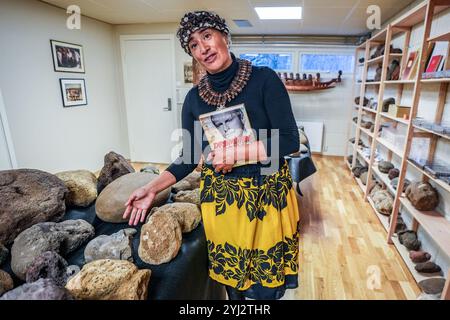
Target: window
x,y
332,63
276,61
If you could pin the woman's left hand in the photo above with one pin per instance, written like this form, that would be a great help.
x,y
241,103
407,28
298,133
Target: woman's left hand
x,y
223,159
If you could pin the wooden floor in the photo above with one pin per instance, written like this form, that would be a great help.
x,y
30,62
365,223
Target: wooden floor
x,y
343,245
343,248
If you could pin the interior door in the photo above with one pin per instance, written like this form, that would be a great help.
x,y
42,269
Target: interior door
x,y
149,83
6,154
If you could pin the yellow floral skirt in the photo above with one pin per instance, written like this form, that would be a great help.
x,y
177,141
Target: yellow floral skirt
x,y
252,231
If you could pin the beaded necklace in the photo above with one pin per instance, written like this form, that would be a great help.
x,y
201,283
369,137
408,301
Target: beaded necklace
x,y
219,99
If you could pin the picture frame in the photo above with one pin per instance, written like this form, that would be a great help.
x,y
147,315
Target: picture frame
x,y
73,92
188,73
67,57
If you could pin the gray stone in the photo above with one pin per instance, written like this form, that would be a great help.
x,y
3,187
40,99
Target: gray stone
x,y
188,215
424,296
110,204
191,196
82,185
422,196
419,256
393,173
363,178
385,166
409,239
394,183
114,167
190,182
71,271
6,282
28,197
43,289
427,267
383,202
150,169
117,246
63,238
3,254
432,286
48,265
350,159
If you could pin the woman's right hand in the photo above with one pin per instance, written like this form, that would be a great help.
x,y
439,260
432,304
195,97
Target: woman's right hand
x,y
138,204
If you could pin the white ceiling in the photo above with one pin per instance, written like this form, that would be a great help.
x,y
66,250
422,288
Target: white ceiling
x,y
320,17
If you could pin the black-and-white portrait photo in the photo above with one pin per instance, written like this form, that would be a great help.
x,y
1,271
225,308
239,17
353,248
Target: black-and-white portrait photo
x,y
67,57
230,124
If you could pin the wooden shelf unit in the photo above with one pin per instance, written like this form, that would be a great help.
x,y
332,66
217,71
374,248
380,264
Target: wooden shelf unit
x,y
433,223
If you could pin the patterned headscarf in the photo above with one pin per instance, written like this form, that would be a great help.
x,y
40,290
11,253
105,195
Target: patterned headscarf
x,y
193,21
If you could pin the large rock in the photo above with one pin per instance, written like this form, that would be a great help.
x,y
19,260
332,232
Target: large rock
x,y
432,286
62,238
394,183
3,254
393,173
383,202
188,215
28,197
385,166
43,289
427,267
190,182
110,280
160,239
48,265
82,185
422,195
114,167
110,204
190,196
419,256
409,239
6,282
117,246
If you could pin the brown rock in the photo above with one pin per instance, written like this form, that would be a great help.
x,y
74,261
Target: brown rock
x,y
110,204
82,185
110,280
432,286
160,239
191,196
188,215
43,289
393,173
363,178
383,202
409,239
114,167
427,267
422,196
48,265
28,197
419,256
6,282
190,182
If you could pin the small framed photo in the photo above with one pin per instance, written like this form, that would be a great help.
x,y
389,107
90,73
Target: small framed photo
x,y
67,57
73,92
188,72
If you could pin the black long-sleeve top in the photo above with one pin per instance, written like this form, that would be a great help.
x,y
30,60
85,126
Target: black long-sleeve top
x,y
268,107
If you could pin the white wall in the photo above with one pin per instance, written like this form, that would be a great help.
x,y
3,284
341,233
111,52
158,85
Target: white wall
x,y
46,135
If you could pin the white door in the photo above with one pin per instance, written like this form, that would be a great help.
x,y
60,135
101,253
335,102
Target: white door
x,y
149,83
7,159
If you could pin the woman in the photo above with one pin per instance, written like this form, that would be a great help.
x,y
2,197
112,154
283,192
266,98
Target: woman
x,y
249,212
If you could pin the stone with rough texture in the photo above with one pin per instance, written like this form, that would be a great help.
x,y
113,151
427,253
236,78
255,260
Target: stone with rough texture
x,y
110,280
28,197
6,282
422,196
114,167
82,185
150,169
424,296
117,246
160,239
393,173
71,271
394,183
385,166
432,286
48,265
383,202
419,256
110,204
43,289
191,196
63,238
3,254
188,215
363,178
190,182
427,267
409,239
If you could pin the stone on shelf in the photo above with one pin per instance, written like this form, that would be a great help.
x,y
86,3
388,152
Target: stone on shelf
x,y
408,238
432,285
394,183
82,185
422,196
385,166
383,202
115,166
386,103
393,173
419,256
427,267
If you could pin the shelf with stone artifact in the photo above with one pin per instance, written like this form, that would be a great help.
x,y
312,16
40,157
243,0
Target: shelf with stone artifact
x,y
439,182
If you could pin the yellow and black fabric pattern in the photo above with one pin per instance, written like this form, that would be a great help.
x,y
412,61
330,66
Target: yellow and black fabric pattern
x,y
252,230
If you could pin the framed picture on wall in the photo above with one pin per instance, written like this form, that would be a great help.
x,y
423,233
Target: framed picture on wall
x,y
73,92
188,72
67,57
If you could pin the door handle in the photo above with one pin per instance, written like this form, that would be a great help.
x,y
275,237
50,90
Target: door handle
x,y
169,105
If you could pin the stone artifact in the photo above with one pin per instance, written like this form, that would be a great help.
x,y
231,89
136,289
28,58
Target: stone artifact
x,y
394,183
363,178
432,286
28,197
424,296
43,289
422,195
408,238
114,167
385,166
350,159
366,124
378,71
191,196
110,280
375,188
419,256
393,173
48,265
383,202
110,204
386,103
63,238
188,215
160,239
427,267
82,185
6,282
365,101
150,169
401,225
71,271
190,182
359,169
3,254
117,246
393,72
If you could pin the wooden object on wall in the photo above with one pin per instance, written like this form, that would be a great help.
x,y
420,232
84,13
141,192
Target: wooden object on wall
x,y
295,84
